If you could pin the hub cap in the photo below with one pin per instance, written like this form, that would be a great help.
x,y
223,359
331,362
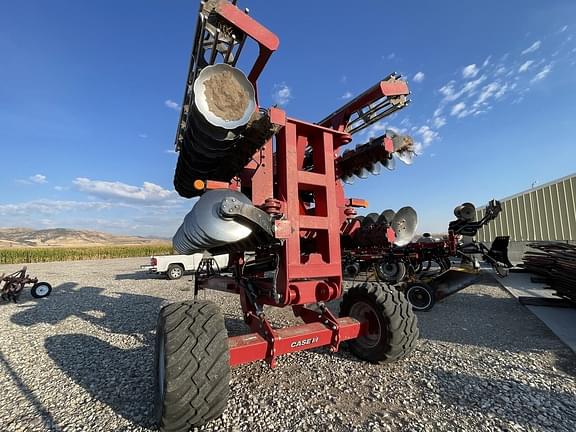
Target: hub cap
x,y
419,297
42,290
365,312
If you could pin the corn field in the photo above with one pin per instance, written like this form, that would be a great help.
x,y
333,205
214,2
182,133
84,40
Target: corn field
x,y
33,255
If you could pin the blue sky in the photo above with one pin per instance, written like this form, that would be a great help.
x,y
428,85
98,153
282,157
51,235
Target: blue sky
x,y
89,94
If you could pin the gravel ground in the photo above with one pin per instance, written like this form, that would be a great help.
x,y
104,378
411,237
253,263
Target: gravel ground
x,y
81,360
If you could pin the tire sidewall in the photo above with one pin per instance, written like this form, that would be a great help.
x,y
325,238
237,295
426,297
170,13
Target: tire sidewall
x,y
173,267
429,292
34,290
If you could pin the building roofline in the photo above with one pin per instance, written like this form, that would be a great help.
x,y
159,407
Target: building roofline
x,y
533,189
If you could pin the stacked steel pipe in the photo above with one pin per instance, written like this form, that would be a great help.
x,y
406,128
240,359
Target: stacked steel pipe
x,y
556,262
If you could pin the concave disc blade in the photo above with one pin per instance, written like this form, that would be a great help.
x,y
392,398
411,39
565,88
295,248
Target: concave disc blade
x,y
404,225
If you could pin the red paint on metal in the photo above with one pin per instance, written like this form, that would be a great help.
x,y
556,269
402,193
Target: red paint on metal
x,y
253,347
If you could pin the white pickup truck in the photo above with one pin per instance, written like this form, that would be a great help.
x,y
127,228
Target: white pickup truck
x,y
174,266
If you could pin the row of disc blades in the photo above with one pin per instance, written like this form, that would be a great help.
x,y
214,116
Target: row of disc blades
x,y
403,151
404,223
204,228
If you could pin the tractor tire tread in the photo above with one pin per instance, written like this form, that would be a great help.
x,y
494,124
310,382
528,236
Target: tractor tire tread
x,y
400,321
197,370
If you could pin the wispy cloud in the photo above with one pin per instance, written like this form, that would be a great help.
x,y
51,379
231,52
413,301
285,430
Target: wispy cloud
x,y
470,71
172,105
419,77
536,45
148,192
439,121
143,135
524,66
542,74
282,94
458,108
346,95
427,134
35,179
38,178
563,29
49,207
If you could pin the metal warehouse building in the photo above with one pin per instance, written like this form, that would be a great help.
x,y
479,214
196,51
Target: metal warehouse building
x,y
546,212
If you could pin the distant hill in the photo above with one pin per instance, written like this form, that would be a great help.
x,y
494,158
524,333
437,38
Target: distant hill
x,y
62,237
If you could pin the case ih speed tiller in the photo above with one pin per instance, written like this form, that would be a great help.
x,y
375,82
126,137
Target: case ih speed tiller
x,y
270,194
368,247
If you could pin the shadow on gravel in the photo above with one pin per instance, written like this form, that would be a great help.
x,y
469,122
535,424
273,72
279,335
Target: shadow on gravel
x,y
499,323
115,312
505,399
121,378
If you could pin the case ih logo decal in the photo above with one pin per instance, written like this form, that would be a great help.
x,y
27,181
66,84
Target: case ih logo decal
x,y
304,342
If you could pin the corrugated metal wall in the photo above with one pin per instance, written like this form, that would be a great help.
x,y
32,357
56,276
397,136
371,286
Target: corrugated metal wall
x,y
547,212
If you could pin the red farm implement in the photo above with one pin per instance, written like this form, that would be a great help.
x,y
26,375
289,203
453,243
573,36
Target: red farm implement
x,y
12,285
370,249
270,194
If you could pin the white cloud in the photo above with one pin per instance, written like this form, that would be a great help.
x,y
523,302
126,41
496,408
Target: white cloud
x,y
542,74
448,90
532,47
458,108
143,135
470,71
346,95
343,79
61,188
282,94
501,70
49,207
487,92
391,56
172,105
149,192
38,178
428,135
438,122
524,66
419,77
171,151
563,29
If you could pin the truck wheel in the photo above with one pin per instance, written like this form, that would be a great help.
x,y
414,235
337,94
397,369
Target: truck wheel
x,y
393,326
421,296
175,271
41,290
192,365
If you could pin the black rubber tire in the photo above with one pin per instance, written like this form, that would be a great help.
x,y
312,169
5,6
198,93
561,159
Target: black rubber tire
x,y
36,293
397,323
173,268
192,369
421,296
397,277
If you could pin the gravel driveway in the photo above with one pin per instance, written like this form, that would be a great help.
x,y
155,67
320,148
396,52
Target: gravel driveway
x,y
81,360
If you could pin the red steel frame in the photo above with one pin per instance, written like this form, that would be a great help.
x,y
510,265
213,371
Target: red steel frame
x,y
279,177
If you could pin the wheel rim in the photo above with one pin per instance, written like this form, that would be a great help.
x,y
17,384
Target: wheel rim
x,y
364,312
176,272
161,366
390,270
42,290
419,297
